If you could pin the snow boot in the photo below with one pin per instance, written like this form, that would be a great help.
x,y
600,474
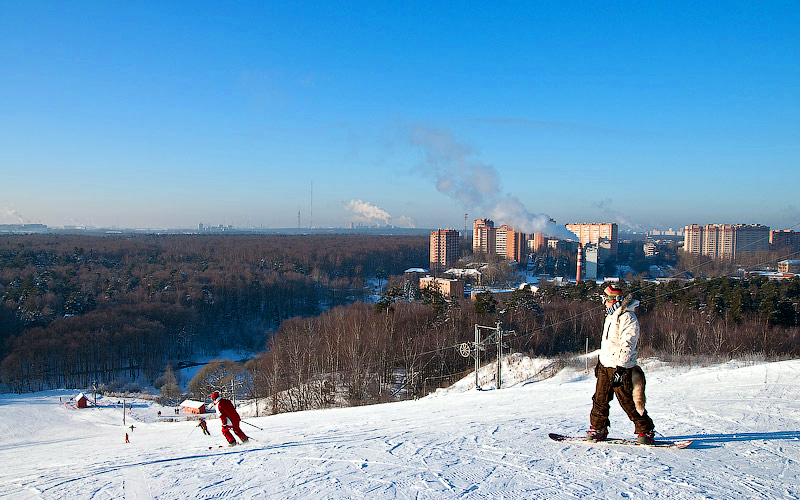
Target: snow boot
x,y
646,438
596,434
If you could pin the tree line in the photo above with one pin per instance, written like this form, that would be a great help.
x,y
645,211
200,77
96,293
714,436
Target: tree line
x,y
129,304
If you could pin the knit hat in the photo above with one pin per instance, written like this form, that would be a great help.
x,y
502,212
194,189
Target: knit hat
x,y
214,396
612,292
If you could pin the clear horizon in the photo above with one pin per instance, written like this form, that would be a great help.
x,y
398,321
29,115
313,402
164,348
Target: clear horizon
x,y
165,116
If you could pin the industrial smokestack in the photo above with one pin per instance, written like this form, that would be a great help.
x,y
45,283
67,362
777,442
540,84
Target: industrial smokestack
x,y
579,272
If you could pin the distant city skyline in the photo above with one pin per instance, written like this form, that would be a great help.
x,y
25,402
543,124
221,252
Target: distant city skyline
x,y
156,115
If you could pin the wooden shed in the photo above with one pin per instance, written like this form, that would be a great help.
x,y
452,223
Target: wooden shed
x,y
81,401
192,406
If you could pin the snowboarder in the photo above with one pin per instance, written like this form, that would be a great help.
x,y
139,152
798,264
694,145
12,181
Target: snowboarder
x,y
203,425
229,418
617,372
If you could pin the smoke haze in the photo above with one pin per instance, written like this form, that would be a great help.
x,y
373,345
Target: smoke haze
x,y
475,184
10,212
368,213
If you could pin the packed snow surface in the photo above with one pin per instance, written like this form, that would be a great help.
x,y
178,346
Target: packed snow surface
x,y
744,419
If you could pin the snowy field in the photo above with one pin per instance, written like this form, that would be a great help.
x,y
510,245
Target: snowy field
x,y
744,419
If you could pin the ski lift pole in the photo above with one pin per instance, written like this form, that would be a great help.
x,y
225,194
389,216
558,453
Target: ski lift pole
x,y
499,352
477,356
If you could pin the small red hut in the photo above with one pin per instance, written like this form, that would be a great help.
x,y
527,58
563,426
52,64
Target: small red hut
x,y
192,406
81,401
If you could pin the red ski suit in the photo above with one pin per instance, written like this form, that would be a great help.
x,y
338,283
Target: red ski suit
x,y
230,420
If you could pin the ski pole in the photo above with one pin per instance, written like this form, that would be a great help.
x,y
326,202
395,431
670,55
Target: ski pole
x,y
190,434
248,423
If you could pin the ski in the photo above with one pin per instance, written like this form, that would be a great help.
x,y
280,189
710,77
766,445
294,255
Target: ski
x,y
237,445
619,442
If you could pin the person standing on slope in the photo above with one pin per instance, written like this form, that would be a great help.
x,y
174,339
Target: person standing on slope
x,y
229,418
617,372
204,426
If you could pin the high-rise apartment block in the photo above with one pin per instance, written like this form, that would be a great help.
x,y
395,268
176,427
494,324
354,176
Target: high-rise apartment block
x,y
445,249
511,243
725,241
483,236
537,241
784,239
503,240
596,233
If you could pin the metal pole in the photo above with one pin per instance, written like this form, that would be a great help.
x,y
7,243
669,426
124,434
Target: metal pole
x,y
499,337
587,355
248,423
477,356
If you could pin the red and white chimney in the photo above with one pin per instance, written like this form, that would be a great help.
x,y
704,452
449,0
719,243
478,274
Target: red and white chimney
x,y
579,272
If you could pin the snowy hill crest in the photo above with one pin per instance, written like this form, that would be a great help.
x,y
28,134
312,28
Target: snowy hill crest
x,y
459,443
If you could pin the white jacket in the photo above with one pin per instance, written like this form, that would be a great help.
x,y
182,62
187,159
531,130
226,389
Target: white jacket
x,y
620,336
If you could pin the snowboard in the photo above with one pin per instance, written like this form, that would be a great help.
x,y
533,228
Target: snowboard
x,y
619,442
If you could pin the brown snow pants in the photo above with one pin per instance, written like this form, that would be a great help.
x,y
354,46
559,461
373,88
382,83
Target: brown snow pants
x,y
604,392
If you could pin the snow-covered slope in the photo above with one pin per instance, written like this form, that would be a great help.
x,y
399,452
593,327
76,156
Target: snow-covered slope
x,y
745,420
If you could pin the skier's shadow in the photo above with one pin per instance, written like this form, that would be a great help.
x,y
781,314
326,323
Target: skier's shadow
x,y
710,440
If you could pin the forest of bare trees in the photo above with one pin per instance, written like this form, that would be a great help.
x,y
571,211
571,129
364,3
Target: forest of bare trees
x,y
75,309
81,309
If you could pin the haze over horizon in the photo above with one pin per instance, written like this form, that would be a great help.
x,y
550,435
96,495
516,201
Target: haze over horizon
x,y
164,116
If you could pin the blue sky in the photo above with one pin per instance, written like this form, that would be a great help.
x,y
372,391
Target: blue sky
x,y
146,114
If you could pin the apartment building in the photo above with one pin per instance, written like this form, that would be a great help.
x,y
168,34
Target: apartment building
x,y
537,241
447,287
784,239
594,232
789,266
504,240
483,236
725,241
511,244
444,249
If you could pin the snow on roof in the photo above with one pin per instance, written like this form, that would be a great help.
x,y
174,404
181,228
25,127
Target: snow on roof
x,y
79,396
463,272
416,270
191,403
790,261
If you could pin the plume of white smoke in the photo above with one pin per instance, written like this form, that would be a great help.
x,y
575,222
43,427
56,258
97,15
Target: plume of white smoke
x,y
509,210
10,212
476,185
367,212
469,182
403,221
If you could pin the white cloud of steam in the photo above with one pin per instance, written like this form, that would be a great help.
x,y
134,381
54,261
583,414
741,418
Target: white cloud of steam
x,y
475,184
10,212
470,182
509,210
368,213
403,221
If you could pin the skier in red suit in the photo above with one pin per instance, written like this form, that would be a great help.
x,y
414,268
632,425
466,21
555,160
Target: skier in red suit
x,y
229,418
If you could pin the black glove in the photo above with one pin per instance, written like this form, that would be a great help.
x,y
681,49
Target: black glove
x,y
597,369
616,380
